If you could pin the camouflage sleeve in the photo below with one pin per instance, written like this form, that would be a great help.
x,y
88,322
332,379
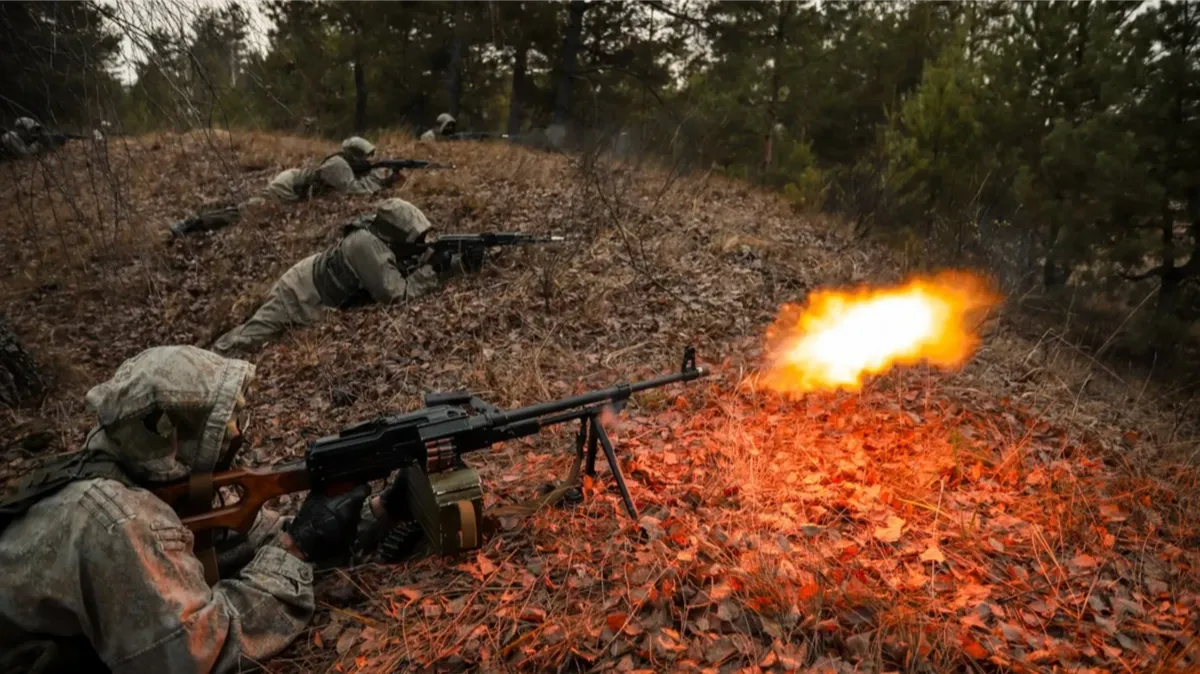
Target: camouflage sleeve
x,y
13,143
375,265
423,281
338,175
152,611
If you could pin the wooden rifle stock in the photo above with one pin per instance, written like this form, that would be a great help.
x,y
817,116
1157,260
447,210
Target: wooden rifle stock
x,y
257,486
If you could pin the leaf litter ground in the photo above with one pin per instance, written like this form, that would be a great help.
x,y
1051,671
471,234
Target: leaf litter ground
x,y
1029,513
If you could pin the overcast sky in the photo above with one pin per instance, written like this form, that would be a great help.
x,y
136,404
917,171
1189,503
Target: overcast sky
x,y
138,17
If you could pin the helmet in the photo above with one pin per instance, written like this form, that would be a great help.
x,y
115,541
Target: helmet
x,y
399,222
27,124
359,148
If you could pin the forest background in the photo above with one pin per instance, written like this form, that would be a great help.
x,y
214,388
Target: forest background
x,y
1053,145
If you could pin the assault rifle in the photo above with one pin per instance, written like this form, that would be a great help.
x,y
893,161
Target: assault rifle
x,y
443,494
398,164
471,246
474,135
58,138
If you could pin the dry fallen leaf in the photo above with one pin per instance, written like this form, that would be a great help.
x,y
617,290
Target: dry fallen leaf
x,y
410,593
890,533
729,611
486,567
553,634
616,621
720,592
973,648
346,641
933,554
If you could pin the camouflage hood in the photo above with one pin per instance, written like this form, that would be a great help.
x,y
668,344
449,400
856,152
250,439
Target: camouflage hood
x,y
446,124
358,148
165,393
398,222
26,124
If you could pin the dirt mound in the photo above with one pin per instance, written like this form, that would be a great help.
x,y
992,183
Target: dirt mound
x,y
1026,513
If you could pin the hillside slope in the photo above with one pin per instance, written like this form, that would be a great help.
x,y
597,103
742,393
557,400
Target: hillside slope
x,y
1029,513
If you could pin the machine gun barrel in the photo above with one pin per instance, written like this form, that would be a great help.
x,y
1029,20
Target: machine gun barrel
x,y
616,393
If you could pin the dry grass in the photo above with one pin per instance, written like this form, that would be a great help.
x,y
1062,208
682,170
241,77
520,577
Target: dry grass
x,y
1060,497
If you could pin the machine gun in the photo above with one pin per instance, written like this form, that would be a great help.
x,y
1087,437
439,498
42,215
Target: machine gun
x,y
443,494
399,164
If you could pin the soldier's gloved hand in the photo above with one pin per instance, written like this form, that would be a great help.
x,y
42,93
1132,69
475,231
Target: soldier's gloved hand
x,y
325,526
395,179
441,260
472,259
380,514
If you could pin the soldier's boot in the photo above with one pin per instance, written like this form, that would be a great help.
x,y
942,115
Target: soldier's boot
x,y
183,227
206,222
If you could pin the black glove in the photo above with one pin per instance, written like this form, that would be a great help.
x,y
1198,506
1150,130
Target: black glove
x,y
472,259
394,177
325,526
233,552
371,529
441,260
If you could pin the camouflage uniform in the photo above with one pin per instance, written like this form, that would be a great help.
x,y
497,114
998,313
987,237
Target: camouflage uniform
x,y
24,140
341,173
13,146
113,564
335,174
445,127
360,268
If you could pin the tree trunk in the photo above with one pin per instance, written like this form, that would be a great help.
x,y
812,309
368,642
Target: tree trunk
x,y
567,62
360,95
1167,234
516,99
785,10
1166,308
1052,276
454,81
1166,315
21,380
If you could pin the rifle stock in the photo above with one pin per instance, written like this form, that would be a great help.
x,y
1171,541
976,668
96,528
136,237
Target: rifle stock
x,y
256,486
426,446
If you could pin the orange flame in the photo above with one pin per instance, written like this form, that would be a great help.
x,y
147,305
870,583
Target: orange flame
x,y
838,337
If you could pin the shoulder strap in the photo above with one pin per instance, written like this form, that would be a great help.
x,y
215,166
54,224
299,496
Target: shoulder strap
x,y
56,474
95,464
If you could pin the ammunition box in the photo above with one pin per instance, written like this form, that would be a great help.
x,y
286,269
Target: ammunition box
x,y
448,505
